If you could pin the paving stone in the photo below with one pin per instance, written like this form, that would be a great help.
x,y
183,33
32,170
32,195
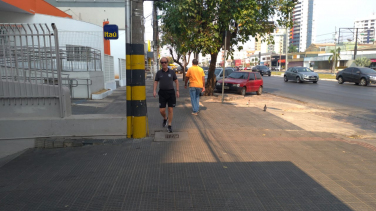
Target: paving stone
x,y
233,159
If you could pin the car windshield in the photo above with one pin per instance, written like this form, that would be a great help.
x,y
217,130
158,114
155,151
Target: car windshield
x,y
367,71
263,67
238,75
303,69
217,71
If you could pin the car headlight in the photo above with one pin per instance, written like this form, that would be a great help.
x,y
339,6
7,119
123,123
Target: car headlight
x,y
237,85
218,84
373,77
305,76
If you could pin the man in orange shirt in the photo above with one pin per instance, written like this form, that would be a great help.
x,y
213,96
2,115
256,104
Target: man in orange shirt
x,y
196,77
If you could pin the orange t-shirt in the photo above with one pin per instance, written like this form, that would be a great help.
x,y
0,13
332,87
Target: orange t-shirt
x,y
195,74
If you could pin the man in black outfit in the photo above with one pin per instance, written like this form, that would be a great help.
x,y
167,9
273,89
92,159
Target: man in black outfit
x,y
166,92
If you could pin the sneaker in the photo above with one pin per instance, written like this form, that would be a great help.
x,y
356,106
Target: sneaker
x,y
164,122
195,114
169,129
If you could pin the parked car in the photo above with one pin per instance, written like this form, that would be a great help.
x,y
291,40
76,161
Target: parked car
x,y
242,82
275,68
263,70
358,75
218,73
300,75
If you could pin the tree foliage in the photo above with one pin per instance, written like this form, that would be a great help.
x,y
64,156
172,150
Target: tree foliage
x,y
199,25
292,49
363,62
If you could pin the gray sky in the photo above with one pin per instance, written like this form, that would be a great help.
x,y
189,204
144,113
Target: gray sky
x,y
329,14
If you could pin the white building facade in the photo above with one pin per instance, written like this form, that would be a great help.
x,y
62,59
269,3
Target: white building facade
x,y
303,32
366,35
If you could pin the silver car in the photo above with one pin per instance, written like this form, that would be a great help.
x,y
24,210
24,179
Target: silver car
x,y
300,75
218,73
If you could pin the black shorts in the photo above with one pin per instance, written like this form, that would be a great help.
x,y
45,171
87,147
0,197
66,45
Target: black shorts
x,y
167,97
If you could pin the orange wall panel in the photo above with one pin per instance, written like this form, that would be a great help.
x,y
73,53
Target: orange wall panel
x,y
37,6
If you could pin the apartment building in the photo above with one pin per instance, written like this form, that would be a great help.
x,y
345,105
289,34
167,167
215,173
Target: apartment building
x,y
366,35
303,32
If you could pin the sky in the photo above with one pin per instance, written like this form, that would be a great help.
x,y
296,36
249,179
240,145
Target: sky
x,y
330,15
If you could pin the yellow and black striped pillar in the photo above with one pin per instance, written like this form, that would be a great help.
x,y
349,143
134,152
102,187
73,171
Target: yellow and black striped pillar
x,y
137,121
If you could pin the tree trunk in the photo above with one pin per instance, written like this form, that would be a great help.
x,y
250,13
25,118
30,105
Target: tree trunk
x,y
210,84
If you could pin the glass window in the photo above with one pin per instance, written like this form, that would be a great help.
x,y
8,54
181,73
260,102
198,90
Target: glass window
x,y
251,76
238,75
366,70
348,70
217,71
258,76
303,69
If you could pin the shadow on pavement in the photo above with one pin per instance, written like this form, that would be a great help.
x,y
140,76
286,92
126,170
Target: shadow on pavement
x,y
125,178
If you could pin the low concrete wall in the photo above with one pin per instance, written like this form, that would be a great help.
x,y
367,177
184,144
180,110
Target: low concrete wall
x,y
85,90
110,85
35,107
75,125
122,82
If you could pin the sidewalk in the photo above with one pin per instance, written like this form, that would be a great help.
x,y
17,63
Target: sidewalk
x,y
236,158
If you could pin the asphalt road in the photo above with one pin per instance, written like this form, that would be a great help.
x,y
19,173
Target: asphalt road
x,y
347,97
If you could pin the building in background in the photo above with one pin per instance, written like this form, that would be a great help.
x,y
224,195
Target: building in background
x,y
279,38
367,34
303,32
96,12
93,11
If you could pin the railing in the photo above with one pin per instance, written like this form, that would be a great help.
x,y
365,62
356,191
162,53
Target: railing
x,y
80,58
109,71
30,64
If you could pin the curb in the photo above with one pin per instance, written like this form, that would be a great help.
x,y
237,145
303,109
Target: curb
x,y
50,143
102,95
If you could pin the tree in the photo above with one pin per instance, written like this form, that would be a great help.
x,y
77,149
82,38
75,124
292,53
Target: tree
x,y
363,62
180,54
170,60
202,24
334,58
292,49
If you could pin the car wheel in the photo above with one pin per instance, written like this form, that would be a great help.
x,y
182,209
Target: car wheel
x,y
363,82
340,80
259,91
298,80
285,79
243,91
269,74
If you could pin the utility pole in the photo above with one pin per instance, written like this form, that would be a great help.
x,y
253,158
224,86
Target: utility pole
x,y
356,43
155,38
137,121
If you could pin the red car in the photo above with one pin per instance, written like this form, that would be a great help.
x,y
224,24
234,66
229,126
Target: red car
x,y
242,82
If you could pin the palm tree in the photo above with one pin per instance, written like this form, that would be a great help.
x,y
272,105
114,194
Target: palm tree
x,y
334,57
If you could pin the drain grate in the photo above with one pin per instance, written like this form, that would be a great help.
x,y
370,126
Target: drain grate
x,y
176,136
172,136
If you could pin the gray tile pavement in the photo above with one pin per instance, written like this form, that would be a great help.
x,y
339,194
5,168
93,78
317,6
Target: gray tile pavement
x,y
235,159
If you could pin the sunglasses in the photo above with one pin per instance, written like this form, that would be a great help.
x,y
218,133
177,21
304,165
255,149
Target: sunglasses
x,y
163,62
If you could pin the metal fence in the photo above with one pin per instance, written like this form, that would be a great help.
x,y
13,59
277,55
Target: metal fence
x,y
80,58
30,65
122,69
109,71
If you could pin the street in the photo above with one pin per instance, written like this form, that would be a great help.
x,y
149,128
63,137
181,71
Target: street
x,y
345,97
